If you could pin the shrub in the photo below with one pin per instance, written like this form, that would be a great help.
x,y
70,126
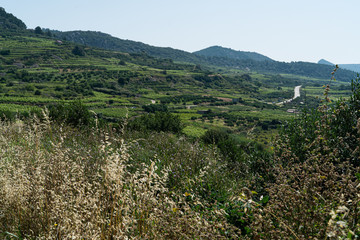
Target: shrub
x,y
215,136
152,108
159,121
78,51
315,189
74,113
5,52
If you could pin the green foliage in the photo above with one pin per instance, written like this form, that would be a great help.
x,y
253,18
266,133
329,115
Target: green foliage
x,y
5,52
11,112
74,113
335,126
215,136
152,108
315,175
78,51
159,121
38,30
10,22
217,51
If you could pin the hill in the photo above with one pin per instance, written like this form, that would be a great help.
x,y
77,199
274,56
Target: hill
x,y
350,67
38,70
214,57
106,41
10,22
325,62
171,150
217,51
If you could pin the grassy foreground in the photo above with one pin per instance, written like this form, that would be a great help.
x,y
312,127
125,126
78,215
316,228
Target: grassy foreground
x,y
61,182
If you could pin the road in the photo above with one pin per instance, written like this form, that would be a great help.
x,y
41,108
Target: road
x,y
296,95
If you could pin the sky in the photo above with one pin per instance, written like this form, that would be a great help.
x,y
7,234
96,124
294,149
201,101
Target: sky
x,y
284,30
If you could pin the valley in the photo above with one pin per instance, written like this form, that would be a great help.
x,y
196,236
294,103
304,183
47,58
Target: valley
x,y
104,138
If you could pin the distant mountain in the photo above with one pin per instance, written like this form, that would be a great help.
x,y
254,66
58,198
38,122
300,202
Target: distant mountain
x,y
9,22
213,56
217,51
351,67
323,61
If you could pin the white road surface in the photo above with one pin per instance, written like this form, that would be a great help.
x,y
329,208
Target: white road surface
x,y
296,95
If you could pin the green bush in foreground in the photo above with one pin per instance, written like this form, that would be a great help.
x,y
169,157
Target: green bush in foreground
x,y
316,191
158,121
74,113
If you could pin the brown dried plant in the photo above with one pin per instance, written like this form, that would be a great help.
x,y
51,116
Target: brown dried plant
x,y
55,183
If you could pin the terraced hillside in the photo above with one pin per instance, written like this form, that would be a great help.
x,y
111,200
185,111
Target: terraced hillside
x,y
38,70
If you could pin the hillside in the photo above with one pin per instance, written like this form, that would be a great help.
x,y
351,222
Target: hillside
x,y
106,41
104,144
10,22
229,59
350,67
217,51
38,70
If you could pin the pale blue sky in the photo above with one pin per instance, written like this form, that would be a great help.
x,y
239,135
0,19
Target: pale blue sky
x,y
285,30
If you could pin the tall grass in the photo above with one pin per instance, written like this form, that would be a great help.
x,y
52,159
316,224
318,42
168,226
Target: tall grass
x,y
59,183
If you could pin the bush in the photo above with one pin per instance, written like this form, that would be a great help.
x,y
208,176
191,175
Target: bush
x,y
152,108
316,176
5,52
159,121
78,51
74,113
215,136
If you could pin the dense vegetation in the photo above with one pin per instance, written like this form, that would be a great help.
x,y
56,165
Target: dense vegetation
x,y
123,184
9,22
98,144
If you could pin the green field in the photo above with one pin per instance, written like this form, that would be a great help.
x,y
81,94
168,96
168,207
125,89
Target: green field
x,y
39,71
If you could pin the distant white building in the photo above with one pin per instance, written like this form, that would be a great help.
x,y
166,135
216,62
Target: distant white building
x,y
292,110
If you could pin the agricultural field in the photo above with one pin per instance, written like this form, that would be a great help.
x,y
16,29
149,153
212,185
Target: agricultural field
x,y
36,72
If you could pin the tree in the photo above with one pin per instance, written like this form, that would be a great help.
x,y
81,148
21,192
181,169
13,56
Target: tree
x,y
38,30
79,51
48,33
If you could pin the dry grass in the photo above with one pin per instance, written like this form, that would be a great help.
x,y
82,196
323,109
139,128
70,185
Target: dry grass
x,y
57,184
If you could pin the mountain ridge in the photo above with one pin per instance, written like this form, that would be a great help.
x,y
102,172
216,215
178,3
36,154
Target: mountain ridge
x,y
350,67
106,41
218,51
228,60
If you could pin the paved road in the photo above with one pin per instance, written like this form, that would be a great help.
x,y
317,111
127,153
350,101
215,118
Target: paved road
x,y
296,95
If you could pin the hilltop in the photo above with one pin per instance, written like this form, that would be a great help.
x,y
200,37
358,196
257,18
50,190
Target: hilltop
x,y
10,22
218,51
